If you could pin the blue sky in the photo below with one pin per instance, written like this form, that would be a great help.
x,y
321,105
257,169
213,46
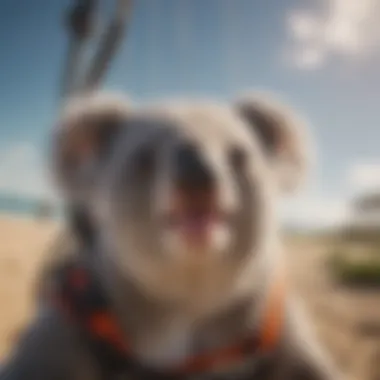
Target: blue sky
x,y
322,56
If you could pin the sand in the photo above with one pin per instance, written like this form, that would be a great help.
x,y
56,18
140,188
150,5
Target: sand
x,y
337,312
23,245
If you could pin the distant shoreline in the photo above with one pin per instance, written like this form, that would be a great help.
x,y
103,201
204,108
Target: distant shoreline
x,y
28,207
9,217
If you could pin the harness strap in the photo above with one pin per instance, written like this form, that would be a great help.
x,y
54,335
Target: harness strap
x,y
81,297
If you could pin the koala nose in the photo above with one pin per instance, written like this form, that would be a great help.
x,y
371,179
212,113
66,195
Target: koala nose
x,y
191,171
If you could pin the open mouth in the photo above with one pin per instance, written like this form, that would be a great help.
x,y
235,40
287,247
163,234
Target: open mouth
x,y
196,217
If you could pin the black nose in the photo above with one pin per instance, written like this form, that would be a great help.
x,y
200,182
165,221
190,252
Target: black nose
x,y
191,171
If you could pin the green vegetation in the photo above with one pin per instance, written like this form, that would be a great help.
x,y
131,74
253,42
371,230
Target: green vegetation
x,y
360,271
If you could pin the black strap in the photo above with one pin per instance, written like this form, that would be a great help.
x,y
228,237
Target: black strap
x,y
82,227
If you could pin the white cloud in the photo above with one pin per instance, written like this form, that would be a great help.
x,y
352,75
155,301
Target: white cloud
x,y
309,59
347,28
311,212
316,211
22,171
364,177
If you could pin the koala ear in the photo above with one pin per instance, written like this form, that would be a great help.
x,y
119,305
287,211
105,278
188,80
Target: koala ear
x,y
86,128
283,135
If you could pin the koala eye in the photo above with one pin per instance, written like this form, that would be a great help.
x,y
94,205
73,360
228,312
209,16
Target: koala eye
x,y
238,158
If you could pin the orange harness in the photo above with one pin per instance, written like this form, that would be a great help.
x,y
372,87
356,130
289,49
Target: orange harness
x,y
80,296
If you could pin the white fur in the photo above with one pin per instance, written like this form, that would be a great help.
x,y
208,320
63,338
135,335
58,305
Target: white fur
x,y
96,104
293,163
203,284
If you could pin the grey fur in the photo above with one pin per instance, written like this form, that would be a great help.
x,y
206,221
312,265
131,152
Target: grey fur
x,y
173,303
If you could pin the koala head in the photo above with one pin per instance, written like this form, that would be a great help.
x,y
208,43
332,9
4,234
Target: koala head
x,y
178,191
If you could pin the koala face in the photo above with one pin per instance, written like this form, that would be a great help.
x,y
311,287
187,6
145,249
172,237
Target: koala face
x,y
182,194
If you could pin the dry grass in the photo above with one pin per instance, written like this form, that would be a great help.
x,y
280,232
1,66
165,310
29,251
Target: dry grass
x,y
346,321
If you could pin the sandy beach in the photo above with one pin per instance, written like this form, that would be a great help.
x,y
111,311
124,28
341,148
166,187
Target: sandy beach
x,y
335,311
23,246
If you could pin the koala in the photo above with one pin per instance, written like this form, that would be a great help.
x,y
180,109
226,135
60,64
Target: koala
x,y
181,198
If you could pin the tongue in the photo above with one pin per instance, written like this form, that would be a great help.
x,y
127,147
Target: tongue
x,y
197,228
197,224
